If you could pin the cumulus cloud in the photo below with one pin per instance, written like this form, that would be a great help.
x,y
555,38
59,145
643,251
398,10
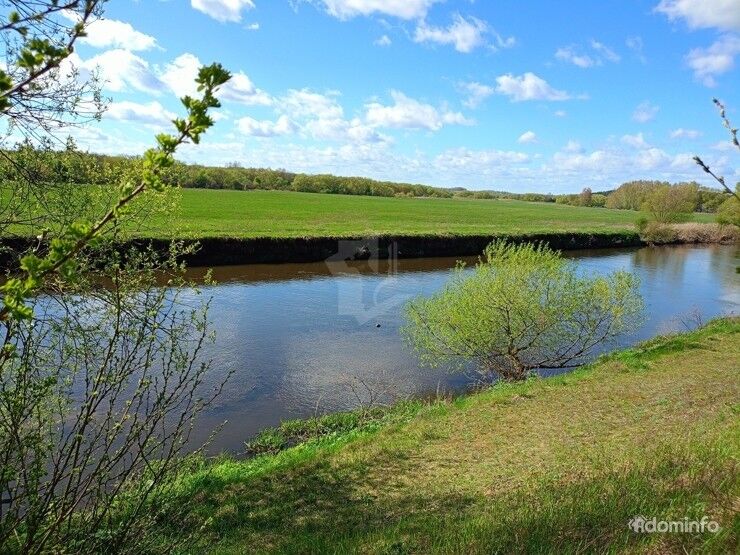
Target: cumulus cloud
x,y
635,141
528,87
698,14
476,93
461,158
223,10
179,75
109,33
717,59
121,70
682,133
408,113
527,137
645,112
321,117
152,113
465,34
266,128
406,9
306,103
241,89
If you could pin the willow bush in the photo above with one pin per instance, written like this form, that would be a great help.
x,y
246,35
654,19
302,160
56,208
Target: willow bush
x,y
522,307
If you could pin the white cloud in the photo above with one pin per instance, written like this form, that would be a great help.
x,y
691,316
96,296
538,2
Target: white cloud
x,y
465,34
252,26
223,10
722,14
724,146
403,9
342,130
255,128
568,54
573,146
180,74
152,113
407,113
635,141
682,133
121,70
385,40
305,103
464,158
321,117
636,45
645,112
605,51
719,58
599,55
241,89
560,113
476,93
527,137
109,33
528,87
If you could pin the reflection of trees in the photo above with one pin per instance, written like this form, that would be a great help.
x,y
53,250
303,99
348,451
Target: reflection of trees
x,y
669,263
723,261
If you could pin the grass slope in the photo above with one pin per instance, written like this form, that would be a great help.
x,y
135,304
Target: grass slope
x,y
204,213
548,466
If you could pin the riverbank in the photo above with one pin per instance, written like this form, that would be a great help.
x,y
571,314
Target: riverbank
x,y
264,227
550,465
224,251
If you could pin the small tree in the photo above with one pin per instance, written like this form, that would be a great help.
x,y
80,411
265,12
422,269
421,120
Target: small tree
x,y
585,198
671,203
522,308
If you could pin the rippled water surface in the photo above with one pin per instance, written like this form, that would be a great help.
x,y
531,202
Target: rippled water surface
x,y
295,335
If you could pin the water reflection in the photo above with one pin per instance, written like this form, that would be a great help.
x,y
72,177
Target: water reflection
x,y
293,337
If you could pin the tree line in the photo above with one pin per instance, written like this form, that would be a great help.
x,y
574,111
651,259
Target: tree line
x,y
84,168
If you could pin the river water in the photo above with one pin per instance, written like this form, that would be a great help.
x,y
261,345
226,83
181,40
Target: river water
x,y
302,338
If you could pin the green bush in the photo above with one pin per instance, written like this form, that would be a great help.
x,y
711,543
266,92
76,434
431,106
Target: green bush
x,y
522,308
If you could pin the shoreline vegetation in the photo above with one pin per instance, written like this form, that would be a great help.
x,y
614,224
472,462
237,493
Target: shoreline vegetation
x,y
651,430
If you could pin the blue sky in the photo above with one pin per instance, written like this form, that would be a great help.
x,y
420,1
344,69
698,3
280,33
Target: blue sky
x,y
522,96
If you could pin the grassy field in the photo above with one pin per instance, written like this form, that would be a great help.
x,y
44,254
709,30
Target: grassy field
x,y
548,466
204,213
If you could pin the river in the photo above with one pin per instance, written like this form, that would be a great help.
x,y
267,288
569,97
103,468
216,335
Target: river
x,y
300,337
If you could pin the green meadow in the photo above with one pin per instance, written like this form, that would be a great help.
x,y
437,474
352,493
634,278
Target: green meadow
x,y
243,214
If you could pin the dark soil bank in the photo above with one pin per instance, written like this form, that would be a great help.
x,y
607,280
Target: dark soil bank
x,y
225,251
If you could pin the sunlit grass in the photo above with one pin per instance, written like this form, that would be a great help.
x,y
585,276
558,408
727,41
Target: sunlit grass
x,y
552,465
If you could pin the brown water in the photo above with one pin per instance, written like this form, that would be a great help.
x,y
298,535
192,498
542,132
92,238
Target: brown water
x,y
297,336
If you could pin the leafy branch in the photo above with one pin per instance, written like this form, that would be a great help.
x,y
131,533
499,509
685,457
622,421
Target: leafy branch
x,y
733,133
62,250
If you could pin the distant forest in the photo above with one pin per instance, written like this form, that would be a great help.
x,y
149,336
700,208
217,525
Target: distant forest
x,y
85,168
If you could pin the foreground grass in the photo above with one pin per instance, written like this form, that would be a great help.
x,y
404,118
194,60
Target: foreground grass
x,y
204,213
548,466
